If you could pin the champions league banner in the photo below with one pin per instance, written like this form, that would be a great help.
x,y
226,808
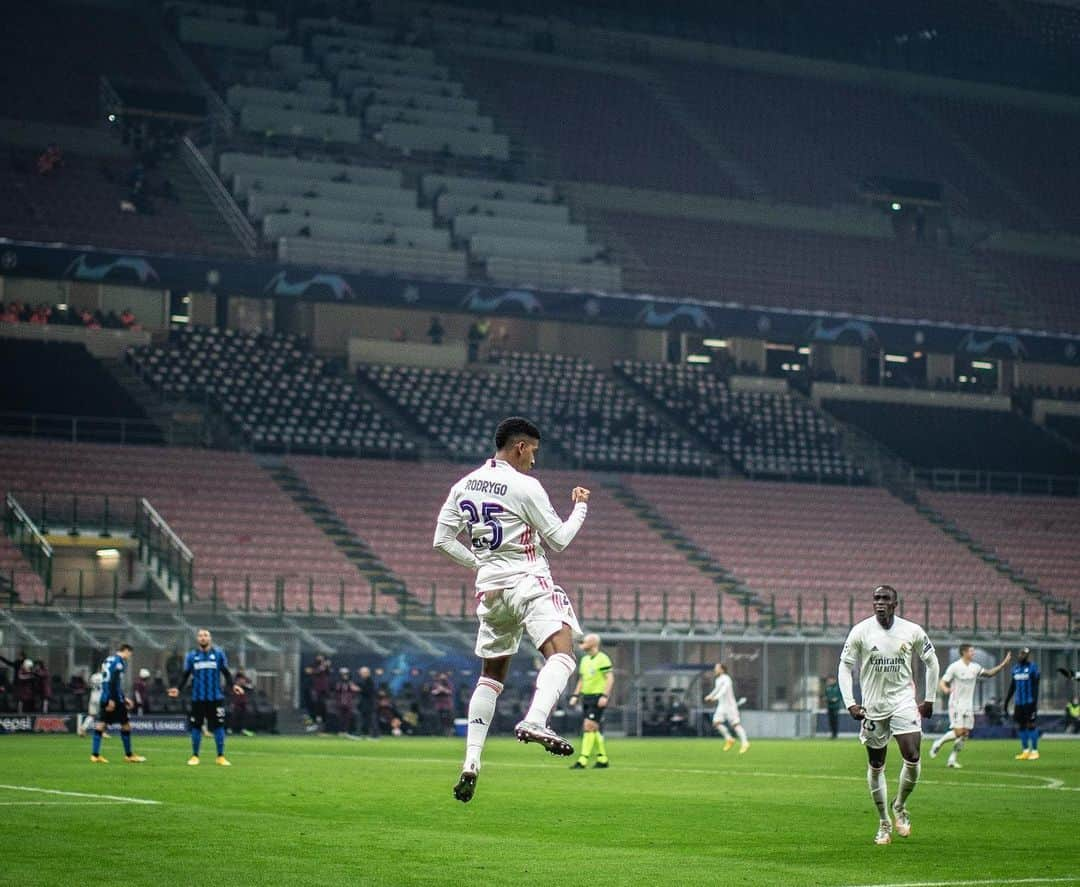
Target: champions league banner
x,y
271,280
66,722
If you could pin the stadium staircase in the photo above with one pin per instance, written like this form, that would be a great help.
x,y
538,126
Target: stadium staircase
x,y
721,577
881,465
358,552
986,553
206,217
427,448
186,427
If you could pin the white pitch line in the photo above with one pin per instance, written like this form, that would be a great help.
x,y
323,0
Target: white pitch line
x,y
56,791
992,881
1049,784
72,803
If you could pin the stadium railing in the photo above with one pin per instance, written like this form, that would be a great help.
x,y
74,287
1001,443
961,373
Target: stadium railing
x,y
970,481
165,551
88,429
101,514
647,611
30,541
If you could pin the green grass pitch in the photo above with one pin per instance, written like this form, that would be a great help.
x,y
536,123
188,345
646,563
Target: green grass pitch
x,y
327,811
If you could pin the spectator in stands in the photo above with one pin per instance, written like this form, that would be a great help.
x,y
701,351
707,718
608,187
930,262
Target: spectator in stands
x,y
25,686
345,693
42,686
387,714
141,692
77,687
367,697
318,690
442,698
51,159
239,716
436,331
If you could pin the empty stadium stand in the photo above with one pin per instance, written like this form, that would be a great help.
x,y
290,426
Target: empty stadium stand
x,y
47,384
799,269
956,438
1036,536
79,204
830,546
764,434
272,390
616,560
244,532
583,413
599,127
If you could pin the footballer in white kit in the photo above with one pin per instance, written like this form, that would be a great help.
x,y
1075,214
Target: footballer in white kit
x,y
507,519
727,709
958,683
882,647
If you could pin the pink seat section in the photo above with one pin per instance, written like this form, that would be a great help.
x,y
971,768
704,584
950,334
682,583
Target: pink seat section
x,y
830,546
616,555
241,528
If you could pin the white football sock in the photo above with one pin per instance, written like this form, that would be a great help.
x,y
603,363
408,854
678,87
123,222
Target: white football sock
x,y
879,791
481,712
550,682
945,737
722,729
741,733
909,775
958,747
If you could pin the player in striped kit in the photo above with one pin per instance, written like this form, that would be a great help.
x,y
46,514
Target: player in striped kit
x,y
113,706
883,646
206,665
958,683
1025,686
508,519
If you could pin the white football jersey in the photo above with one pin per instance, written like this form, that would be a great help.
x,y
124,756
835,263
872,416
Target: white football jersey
x,y
961,677
723,692
508,517
885,672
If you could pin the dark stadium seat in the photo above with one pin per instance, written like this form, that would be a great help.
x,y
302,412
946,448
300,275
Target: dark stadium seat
x,y
601,127
957,438
584,414
272,390
764,434
62,379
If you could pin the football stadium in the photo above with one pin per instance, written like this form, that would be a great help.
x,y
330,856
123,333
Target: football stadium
x,y
508,442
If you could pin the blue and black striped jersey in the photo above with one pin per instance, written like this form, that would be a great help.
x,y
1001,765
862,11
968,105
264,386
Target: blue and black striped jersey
x,y
1025,676
112,679
206,669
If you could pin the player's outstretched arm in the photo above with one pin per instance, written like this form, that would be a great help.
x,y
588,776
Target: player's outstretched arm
x,y
989,673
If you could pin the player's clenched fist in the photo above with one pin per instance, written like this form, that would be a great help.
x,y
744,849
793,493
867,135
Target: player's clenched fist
x,y
173,692
579,494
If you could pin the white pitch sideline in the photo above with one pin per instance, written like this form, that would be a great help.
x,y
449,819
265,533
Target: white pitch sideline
x,y
55,791
994,882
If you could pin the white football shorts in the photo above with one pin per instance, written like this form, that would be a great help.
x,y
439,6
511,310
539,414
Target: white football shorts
x,y
535,605
726,714
961,717
876,732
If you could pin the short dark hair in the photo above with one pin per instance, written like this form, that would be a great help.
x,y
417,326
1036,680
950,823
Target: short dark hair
x,y
964,647
123,647
514,427
890,589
